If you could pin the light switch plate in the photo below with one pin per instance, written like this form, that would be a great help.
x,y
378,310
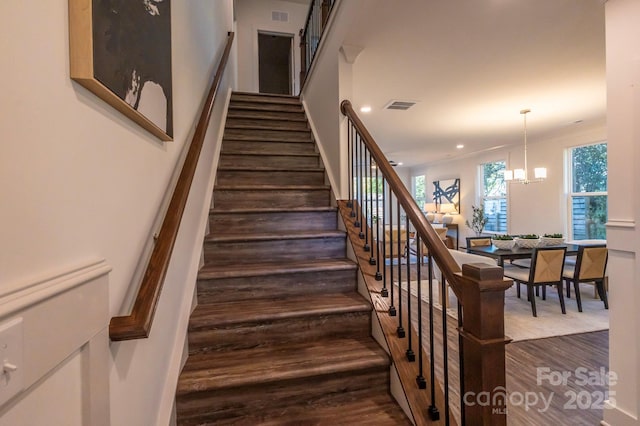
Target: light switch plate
x,y
11,350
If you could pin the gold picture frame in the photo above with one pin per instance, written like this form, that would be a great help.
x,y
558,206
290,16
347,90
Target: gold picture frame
x,y
100,37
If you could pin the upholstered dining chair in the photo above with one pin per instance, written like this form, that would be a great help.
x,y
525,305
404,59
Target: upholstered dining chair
x,y
590,267
442,233
547,265
478,241
398,233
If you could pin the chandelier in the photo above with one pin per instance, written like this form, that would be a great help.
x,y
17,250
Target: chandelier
x,y
522,175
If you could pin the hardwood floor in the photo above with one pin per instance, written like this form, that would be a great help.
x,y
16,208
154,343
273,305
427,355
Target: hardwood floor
x,y
533,371
533,367
578,357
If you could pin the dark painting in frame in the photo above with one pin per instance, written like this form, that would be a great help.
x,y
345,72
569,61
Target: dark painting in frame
x,y
447,191
121,51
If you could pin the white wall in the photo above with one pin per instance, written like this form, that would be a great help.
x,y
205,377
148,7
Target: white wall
x,y
535,208
255,16
78,180
623,237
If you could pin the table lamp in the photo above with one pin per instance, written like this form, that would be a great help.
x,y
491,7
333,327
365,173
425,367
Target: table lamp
x,y
447,209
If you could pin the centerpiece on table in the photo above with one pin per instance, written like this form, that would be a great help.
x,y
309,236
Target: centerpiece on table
x,y
503,242
551,240
528,240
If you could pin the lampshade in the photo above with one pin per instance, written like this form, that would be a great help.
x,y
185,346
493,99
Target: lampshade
x,y
430,207
540,172
448,208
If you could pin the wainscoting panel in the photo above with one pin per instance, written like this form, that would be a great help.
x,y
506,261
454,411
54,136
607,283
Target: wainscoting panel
x,y
65,319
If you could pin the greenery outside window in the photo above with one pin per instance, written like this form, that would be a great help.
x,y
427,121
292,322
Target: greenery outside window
x,y
419,190
493,191
588,191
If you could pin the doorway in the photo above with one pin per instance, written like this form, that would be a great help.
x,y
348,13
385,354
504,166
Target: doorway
x,y
275,63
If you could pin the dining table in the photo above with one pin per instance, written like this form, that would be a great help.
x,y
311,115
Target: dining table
x,y
514,253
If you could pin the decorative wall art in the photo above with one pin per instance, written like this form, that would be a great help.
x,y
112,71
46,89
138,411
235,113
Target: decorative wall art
x,y
121,51
447,191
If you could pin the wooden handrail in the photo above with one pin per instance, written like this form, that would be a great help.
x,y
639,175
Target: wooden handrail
x,y
437,249
480,291
137,325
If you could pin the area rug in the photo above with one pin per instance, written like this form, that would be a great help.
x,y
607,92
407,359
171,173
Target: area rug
x,y
521,325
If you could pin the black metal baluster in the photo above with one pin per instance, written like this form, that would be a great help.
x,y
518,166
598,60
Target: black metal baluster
x,y
411,356
445,350
434,414
372,260
400,330
392,308
385,291
420,380
463,419
361,183
367,198
356,204
350,161
378,274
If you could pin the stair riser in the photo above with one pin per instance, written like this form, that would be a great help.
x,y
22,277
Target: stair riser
x,y
267,135
248,123
226,199
265,99
248,253
195,409
268,147
248,177
284,161
276,286
243,336
235,223
275,115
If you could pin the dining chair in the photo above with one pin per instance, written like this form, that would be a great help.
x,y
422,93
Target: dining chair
x,y
399,233
590,267
478,241
547,265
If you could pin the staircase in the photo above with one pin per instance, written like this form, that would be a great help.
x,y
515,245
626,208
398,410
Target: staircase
x,y
280,334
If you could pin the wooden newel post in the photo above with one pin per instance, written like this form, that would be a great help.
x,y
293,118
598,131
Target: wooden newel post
x,y
483,344
303,56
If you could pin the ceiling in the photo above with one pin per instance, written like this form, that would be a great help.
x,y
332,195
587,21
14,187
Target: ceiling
x,y
471,66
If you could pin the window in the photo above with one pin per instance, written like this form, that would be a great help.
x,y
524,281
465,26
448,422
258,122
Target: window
x,y
419,191
588,191
493,192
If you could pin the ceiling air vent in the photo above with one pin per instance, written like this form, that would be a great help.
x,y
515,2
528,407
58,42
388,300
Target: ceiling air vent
x,y
400,105
279,16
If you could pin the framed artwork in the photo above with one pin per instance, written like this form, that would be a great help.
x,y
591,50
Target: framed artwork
x,y
121,51
447,192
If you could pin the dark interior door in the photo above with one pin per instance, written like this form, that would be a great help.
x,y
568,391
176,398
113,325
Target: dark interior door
x,y
274,62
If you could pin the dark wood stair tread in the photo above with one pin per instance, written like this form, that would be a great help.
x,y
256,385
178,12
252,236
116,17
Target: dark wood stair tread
x,y
265,98
271,169
245,113
269,236
256,366
217,210
261,187
256,269
212,315
269,154
266,125
377,408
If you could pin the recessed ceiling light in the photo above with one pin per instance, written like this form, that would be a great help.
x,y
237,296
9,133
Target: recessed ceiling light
x,y
365,108
459,146
400,164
